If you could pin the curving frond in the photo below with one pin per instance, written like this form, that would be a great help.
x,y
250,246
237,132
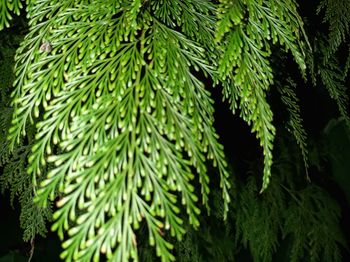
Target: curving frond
x,y
124,119
245,31
336,15
332,78
295,125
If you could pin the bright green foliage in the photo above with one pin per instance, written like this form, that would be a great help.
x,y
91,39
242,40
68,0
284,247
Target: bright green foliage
x,y
110,95
245,32
7,9
126,120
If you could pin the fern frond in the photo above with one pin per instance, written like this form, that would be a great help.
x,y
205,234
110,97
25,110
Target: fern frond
x,y
113,121
332,78
15,179
123,118
29,58
196,18
245,46
295,126
338,18
259,220
313,224
347,66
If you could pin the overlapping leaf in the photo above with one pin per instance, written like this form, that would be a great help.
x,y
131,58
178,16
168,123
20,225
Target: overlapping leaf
x,y
123,118
245,31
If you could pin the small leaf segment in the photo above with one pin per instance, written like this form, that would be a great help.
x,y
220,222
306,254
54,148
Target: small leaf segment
x,y
7,9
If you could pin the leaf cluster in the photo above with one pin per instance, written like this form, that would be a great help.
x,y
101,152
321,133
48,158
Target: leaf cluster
x,y
332,73
246,30
295,220
14,164
112,119
339,24
124,120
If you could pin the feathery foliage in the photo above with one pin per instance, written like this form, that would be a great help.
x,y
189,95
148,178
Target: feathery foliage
x,y
336,15
301,218
245,32
14,177
328,72
315,233
332,78
295,126
125,121
332,75
113,121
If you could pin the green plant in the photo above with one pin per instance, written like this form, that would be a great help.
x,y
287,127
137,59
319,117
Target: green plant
x,y
14,163
112,100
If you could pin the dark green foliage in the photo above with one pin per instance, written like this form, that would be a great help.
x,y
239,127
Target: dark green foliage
x,y
292,210
295,126
333,80
336,15
312,222
258,219
331,72
337,145
14,164
328,72
301,216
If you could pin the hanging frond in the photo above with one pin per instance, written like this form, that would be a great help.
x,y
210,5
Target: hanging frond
x,y
337,16
111,119
295,126
15,179
332,78
245,31
123,118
